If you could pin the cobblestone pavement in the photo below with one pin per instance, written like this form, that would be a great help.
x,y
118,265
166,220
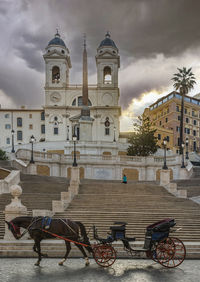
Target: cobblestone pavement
x,y
74,270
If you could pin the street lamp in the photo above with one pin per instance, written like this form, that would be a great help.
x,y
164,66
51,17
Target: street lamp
x,y
74,138
183,165
187,143
164,144
32,139
114,140
13,148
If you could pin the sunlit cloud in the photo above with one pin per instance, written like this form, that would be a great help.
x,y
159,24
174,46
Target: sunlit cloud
x,y
137,106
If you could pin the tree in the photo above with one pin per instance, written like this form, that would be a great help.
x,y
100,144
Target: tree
x,y
143,141
184,81
3,155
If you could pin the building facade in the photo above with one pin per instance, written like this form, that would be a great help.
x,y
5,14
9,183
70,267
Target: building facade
x,y
165,115
60,117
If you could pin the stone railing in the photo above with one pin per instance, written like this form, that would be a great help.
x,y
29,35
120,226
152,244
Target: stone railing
x,y
25,154
11,179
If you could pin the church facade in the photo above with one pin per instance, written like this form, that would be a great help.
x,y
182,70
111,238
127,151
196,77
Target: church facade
x,y
91,112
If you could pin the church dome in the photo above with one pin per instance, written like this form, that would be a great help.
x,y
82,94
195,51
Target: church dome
x,y
107,42
57,41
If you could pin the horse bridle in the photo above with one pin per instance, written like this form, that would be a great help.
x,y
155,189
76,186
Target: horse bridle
x,y
16,229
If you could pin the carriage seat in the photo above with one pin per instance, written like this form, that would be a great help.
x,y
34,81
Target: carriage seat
x,y
118,232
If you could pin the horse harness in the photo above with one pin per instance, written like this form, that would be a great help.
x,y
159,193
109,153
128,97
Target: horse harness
x,y
16,228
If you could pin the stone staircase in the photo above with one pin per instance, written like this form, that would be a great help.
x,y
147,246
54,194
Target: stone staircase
x,y
38,193
139,204
192,185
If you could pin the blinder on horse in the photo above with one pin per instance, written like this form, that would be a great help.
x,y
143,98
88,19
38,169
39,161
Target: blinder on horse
x,y
14,229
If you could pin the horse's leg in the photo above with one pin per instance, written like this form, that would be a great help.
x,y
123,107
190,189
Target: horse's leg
x,y
36,251
68,249
87,262
38,248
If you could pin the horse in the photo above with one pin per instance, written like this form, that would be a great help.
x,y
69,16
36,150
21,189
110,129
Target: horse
x,y
66,228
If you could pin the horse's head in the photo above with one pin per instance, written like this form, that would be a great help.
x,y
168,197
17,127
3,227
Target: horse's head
x,y
14,228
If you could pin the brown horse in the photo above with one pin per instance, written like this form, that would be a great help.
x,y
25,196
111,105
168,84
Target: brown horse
x,y
73,230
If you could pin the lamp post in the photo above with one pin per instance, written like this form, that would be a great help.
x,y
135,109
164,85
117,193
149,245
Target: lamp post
x,y
183,165
164,144
114,140
13,148
74,137
32,139
187,143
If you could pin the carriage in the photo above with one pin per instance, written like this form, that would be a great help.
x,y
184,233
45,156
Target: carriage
x,y
158,245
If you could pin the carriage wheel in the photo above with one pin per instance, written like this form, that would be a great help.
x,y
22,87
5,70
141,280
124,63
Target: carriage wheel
x,y
104,255
170,252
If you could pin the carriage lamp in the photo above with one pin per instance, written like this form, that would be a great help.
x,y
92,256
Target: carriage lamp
x,y
183,165
74,138
114,140
164,145
32,139
13,148
186,143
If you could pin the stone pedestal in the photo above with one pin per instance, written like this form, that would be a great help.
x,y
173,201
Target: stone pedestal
x,y
32,169
75,180
66,197
86,129
14,209
164,177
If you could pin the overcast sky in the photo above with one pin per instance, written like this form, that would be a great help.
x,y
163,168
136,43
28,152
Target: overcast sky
x,y
154,37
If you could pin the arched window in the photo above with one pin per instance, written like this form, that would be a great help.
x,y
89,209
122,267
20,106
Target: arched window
x,y
107,75
19,121
80,102
42,116
55,74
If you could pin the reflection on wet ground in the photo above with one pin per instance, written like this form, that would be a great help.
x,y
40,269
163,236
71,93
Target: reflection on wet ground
x,y
74,270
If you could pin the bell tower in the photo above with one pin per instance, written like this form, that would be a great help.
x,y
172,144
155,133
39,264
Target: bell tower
x,y
57,64
108,62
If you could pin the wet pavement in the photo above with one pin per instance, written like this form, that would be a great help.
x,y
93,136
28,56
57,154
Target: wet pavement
x,y
74,270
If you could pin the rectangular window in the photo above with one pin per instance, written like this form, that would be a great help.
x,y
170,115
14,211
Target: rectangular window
x,y
194,132
167,138
7,126
43,128
30,126
19,121
195,122
159,137
30,115
187,120
178,129
19,135
178,141
107,131
179,117
42,116
8,140
177,108
166,120
160,122
7,116
55,130
185,111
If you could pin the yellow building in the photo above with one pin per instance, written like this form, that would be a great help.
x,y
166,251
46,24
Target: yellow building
x,y
165,115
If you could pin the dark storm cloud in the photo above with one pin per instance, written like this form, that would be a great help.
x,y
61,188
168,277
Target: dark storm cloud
x,y
141,29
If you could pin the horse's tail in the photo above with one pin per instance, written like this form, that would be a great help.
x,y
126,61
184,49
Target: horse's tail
x,y
85,237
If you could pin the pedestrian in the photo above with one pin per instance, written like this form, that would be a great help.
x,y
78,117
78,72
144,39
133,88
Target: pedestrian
x,y
124,179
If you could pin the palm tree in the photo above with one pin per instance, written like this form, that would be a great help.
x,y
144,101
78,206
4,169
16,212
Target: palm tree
x,y
184,81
